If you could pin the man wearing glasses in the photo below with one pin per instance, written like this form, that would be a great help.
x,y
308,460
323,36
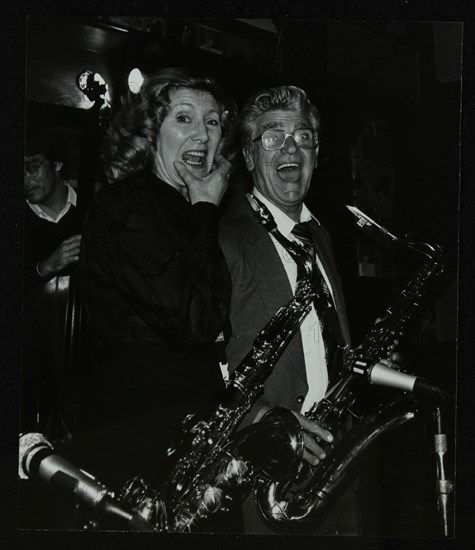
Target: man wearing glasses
x,y
52,239
280,137
52,222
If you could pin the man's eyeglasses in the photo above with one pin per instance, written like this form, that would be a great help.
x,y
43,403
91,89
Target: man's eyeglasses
x,y
32,167
273,140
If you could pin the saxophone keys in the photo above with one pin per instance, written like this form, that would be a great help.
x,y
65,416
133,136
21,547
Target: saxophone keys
x,y
212,499
236,470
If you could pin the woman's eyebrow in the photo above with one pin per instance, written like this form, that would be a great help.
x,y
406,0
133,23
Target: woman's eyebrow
x,y
193,107
182,104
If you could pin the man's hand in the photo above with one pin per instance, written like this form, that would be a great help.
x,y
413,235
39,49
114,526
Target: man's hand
x,y
313,452
211,188
66,254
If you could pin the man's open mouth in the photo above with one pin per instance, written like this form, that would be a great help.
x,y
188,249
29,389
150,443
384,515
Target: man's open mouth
x,y
289,171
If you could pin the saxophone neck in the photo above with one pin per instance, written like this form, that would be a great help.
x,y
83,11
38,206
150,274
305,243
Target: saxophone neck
x,y
433,252
364,222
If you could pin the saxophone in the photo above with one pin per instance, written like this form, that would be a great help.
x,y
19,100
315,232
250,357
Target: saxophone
x,y
211,462
299,503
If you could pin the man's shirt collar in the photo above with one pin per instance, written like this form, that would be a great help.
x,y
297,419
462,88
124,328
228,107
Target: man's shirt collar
x,y
71,200
285,224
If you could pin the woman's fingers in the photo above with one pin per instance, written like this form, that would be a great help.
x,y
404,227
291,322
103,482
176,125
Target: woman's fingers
x,y
222,163
183,172
207,189
221,167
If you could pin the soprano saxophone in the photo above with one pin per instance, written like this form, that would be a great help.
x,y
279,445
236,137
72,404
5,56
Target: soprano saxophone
x,y
300,503
212,462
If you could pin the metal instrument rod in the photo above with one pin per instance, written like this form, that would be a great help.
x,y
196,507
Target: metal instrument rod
x,y
444,486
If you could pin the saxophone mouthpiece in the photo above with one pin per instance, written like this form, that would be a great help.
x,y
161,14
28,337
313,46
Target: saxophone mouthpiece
x,y
364,221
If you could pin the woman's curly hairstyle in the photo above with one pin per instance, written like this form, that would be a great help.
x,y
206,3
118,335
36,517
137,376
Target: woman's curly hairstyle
x,y
130,141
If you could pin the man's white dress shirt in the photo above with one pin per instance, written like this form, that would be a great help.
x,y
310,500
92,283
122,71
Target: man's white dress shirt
x,y
310,331
70,201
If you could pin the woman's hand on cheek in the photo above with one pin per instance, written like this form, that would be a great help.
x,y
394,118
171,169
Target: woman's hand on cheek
x,y
211,188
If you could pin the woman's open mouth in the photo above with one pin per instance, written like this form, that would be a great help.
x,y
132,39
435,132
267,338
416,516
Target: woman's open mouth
x,y
194,158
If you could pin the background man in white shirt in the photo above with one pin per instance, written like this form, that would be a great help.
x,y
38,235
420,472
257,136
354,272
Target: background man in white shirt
x,y
50,198
52,227
52,239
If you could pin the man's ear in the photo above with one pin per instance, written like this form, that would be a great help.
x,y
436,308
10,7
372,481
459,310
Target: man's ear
x,y
57,166
316,156
248,158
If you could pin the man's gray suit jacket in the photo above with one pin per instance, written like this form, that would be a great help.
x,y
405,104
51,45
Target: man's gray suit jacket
x,y
259,288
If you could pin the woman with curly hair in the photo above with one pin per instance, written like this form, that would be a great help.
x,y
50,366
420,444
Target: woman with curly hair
x,y
155,281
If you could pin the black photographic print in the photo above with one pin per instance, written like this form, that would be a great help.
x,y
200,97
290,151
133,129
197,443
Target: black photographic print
x,y
148,328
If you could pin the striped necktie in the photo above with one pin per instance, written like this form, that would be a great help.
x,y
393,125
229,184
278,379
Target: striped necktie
x,y
324,302
303,233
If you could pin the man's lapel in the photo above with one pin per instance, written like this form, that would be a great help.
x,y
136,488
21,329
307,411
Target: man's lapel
x,y
323,247
272,283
